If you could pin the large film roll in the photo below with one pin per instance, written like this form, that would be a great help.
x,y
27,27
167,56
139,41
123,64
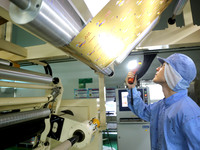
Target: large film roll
x,y
54,21
106,40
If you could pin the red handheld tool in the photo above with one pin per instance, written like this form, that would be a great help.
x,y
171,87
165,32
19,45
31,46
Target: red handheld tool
x,y
131,80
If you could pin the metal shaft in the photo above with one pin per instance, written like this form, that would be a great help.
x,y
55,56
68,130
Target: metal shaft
x,y
179,7
15,118
65,145
68,143
11,73
23,4
4,62
25,85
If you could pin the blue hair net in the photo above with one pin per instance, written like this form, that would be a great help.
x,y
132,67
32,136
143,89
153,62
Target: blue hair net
x,y
179,72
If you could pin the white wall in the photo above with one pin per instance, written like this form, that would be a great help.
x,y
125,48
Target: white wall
x,y
71,72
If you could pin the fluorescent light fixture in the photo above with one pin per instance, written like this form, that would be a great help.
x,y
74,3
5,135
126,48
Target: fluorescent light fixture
x,y
153,47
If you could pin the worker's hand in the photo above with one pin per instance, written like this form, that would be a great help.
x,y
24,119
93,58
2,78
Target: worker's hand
x,y
131,75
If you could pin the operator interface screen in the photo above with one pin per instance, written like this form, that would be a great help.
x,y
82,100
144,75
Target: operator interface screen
x,y
123,102
124,99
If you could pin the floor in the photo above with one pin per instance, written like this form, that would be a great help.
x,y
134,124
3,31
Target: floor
x,y
110,146
109,141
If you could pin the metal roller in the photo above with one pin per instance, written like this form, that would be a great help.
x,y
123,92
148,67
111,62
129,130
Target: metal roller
x,y
59,24
4,62
180,4
24,4
20,117
54,21
179,7
25,85
10,101
11,73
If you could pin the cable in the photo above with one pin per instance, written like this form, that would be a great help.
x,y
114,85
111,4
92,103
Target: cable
x,y
131,96
48,69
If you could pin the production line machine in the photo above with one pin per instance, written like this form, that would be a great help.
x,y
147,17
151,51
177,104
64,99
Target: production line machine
x,y
100,42
22,118
121,24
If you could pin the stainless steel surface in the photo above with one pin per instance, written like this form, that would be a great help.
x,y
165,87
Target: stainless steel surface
x,y
11,73
23,4
15,118
132,132
133,136
54,21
